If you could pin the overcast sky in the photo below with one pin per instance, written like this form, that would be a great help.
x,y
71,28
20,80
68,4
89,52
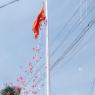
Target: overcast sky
x,y
75,73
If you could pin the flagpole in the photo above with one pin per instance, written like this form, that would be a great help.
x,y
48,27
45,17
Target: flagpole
x,y
47,53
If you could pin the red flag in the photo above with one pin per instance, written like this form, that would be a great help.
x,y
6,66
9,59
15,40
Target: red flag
x,y
38,21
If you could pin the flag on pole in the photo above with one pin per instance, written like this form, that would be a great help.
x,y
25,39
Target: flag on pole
x,y
38,21
43,16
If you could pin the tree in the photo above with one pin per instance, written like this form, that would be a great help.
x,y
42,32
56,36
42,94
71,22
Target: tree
x,y
11,91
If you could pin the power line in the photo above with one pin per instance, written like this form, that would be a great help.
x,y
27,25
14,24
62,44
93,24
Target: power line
x,y
78,49
78,38
9,3
61,30
62,41
67,35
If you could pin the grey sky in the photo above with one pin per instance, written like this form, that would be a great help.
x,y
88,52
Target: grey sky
x,y
75,73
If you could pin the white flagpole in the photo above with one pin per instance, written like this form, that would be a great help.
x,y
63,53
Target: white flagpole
x,y
47,53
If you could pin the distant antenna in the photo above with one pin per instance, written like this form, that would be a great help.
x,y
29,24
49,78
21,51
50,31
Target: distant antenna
x,y
9,3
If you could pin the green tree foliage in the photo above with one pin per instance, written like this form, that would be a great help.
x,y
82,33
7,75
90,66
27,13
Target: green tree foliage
x,y
10,91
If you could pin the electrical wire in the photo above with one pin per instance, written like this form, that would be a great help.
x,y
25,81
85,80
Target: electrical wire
x,y
9,3
78,38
